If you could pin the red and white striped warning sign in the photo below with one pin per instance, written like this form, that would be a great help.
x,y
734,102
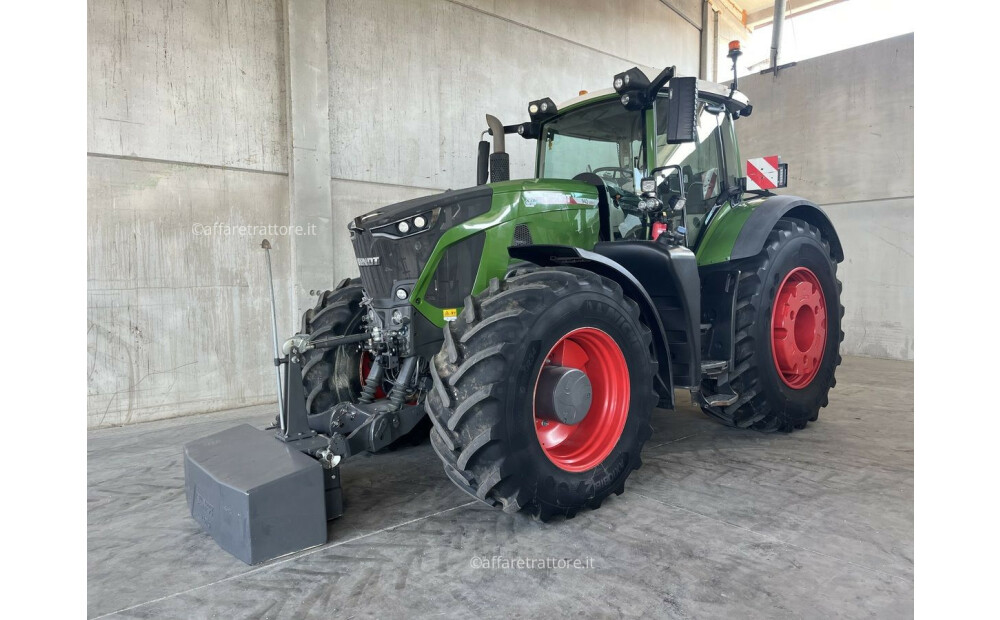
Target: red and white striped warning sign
x,y
710,184
762,172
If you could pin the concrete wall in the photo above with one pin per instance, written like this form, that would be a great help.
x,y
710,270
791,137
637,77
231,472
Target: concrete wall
x,y
844,124
214,112
186,128
413,81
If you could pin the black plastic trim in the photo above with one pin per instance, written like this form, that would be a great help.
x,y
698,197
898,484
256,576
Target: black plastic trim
x,y
761,222
427,337
603,203
669,274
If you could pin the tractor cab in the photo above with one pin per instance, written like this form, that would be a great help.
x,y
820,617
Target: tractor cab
x,y
675,133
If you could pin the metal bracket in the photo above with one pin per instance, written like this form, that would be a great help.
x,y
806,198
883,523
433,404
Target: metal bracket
x,y
296,424
360,427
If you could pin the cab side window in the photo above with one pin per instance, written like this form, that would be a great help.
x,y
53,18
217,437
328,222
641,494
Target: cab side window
x,y
701,162
734,167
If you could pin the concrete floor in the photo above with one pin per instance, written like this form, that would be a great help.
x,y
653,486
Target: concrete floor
x,y
717,523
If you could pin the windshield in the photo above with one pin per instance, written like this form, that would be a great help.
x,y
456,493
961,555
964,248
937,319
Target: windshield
x,y
604,138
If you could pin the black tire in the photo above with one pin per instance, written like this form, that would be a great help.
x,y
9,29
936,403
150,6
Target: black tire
x,y
331,376
484,378
766,403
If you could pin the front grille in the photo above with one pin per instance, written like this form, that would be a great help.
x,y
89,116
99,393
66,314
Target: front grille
x,y
372,277
404,258
398,259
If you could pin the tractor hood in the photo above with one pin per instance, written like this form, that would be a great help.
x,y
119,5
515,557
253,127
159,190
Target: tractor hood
x,y
548,191
468,203
470,200
434,251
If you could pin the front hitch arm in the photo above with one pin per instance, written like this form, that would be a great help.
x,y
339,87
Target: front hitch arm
x,y
371,426
346,429
304,342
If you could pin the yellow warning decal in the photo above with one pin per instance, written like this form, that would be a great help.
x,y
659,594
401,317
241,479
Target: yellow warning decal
x,y
450,314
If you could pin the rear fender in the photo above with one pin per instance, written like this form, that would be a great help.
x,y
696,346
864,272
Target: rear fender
x,y
568,256
759,225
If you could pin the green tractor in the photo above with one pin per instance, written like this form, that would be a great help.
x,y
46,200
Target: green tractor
x,y
536,324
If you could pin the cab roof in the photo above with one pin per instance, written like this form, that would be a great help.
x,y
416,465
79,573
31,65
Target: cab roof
x,y
737,101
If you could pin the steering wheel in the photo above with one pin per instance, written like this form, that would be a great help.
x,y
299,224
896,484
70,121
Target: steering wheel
x,y
618,175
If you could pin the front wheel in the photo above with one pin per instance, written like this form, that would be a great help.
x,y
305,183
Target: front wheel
x,y
543,392
337,375
332,376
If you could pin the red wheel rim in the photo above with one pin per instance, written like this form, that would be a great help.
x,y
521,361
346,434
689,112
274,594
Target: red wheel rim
x,y
798,328
583,446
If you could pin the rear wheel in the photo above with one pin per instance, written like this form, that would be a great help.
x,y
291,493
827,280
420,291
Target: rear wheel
x,y
788,332
543,392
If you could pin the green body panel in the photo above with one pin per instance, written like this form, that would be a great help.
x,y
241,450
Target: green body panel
x,y
556,211
560,212
716,245
650,139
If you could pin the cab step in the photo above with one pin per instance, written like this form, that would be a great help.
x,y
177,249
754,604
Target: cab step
x,y
721,400
713,368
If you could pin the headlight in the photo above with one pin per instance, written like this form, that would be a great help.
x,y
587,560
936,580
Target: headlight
x,y
619,83
533,108
648,185
400,293
397,317
403,227
419,221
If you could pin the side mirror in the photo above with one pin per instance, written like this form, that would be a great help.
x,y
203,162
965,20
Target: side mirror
x,y
765,173
683,110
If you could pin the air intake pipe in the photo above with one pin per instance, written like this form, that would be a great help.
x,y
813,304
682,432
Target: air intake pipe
x,y
483,162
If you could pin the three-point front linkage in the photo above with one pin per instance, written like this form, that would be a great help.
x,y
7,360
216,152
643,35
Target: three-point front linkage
x,y
345,429
265,493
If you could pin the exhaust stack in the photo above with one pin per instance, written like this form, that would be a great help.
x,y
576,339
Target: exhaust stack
x,y
499,159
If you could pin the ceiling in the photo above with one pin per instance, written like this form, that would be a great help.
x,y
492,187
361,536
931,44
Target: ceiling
x,y
761,12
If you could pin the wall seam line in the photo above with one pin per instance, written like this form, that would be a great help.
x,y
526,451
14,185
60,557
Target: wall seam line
x,y
546,33
860,200
367,182
175,162
681,15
